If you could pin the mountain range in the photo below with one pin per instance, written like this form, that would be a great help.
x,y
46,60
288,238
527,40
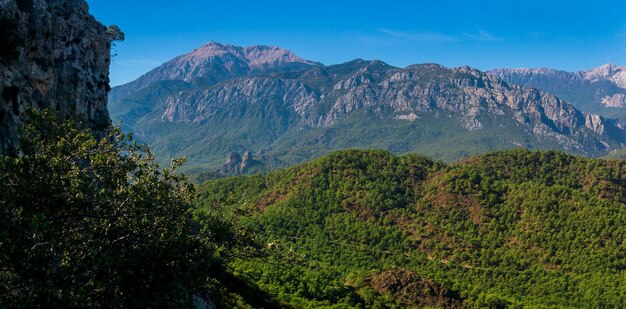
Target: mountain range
x,y
601,90
220,100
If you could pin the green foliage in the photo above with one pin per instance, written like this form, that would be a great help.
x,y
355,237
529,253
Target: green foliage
x,y
94,222
115,34
508,229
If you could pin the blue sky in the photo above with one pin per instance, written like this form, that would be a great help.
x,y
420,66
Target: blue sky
x,y
569,35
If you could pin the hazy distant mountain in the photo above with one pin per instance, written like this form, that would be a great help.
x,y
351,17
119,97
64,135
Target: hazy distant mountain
x,y
601,90
220,99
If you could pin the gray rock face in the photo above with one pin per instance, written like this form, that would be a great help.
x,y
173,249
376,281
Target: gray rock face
x,y
237,164
53,54
233,164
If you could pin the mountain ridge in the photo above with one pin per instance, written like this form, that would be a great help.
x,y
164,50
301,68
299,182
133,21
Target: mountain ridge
x,y
601,89
224,61
284,105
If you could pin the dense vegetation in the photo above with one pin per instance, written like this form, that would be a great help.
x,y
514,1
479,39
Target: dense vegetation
x,y
90,222
369,229
95,222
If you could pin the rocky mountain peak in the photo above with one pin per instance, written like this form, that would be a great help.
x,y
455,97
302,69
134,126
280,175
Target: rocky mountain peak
x,y
323,103
616,74
261,56
426,66
214,62
591,90
526,71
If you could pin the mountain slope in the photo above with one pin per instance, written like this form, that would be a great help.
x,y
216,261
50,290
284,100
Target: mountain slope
x,y
214,62
509,229
601,90
293,111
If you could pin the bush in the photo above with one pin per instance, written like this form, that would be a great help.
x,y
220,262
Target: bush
x,y
94,222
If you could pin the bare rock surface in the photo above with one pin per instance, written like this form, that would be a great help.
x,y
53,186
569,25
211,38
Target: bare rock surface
x,y
53,54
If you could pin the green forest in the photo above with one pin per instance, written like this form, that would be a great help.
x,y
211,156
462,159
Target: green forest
x,y
364,229
88,221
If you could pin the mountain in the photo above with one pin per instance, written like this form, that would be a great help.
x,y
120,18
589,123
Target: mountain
x,y
601,90
55,55
367,229
215,62
220,99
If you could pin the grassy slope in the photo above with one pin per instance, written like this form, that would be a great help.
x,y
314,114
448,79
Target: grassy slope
x,y
617,154
513,228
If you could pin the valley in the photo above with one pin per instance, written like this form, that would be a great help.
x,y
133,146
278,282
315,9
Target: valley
x,y
252,177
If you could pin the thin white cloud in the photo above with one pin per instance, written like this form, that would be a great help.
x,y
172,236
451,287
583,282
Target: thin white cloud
x,y
482,36
424,37
436,37
136,61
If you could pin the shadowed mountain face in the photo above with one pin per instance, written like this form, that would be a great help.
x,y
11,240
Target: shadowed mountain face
x,y
601,90
220,98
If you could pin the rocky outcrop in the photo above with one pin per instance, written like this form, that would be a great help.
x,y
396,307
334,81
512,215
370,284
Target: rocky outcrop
x,y
238,98
408,288
233,163
53,54
238,164
246,161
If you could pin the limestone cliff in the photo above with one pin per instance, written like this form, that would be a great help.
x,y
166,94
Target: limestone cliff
x,y
53,54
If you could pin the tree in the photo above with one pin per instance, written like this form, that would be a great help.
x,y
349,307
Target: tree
x,y
94,222
115,34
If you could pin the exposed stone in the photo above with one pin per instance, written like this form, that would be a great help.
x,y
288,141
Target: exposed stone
x,y
616,74
409,117
395,93
246,161
408,288
615,100
53,54
215,62
233,164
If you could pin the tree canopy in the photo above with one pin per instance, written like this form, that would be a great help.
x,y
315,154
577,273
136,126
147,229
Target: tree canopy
x,y
94,222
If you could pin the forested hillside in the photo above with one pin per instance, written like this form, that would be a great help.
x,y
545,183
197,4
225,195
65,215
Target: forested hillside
x,y
370,229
